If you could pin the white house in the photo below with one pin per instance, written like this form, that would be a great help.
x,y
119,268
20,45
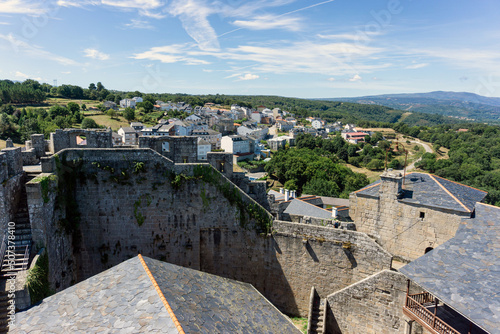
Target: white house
x,y
137,99
317,124
211,136
236,144
203,148
127,103
255,131
129,135
256,116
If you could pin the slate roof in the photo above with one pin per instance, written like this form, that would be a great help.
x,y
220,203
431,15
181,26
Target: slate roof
x,y
124,299
464,272
277,195
302,208
434,191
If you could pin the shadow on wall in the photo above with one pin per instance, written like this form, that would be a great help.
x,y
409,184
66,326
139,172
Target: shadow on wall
x,y
116,203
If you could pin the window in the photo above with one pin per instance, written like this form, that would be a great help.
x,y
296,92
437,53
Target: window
x,y
428,249
422,215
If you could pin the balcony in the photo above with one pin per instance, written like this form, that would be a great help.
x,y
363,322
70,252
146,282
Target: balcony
x,y
436,317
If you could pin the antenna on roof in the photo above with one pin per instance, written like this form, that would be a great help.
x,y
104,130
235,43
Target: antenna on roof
x,y
398,149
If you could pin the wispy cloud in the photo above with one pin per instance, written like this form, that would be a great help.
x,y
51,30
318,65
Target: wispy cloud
x,y
416,66
283,57
248,76
194,17
144,7
138,4
20,46
26,76
95,54
266,22
4,23
485,60
139,24
21,7
170,54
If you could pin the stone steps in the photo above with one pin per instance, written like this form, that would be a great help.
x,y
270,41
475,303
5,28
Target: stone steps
x,y
318,318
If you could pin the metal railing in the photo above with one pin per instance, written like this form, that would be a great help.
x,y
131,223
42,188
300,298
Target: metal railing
x,y
26,258
3,248
414,304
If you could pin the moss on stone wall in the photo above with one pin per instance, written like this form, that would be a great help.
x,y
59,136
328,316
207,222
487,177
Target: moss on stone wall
x,y
45,186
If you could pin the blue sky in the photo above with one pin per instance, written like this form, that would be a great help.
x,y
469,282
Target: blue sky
x,y
296,48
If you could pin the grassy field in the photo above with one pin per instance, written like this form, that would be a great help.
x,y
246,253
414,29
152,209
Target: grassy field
x,y
2,144
372,175
114,123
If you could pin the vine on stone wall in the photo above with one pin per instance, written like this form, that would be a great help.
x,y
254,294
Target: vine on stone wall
x,y
69,172
45,185
233,195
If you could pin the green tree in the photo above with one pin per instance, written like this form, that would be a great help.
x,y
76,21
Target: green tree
x,y
129,114
73,107
89,123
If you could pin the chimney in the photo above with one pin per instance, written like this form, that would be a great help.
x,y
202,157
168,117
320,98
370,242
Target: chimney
x,y
334,212
287,195
391,185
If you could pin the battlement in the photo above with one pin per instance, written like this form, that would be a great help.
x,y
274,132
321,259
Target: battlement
x,y
67,138
11,163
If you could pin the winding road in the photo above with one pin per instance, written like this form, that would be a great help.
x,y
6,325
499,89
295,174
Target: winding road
x,y
427,149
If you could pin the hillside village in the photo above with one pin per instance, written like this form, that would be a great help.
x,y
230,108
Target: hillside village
x,y
247,133
89,211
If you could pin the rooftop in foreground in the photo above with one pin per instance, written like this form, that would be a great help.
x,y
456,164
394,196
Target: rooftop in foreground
x,y
143,295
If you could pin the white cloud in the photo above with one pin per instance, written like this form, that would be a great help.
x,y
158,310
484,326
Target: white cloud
x,y
4,23
194,17
485,60
139,24
76,3
356,77
266,22
138,4
145,7
95,54
170,54
20,46
26,76
282,57
248,76
331,79
416,66
21,7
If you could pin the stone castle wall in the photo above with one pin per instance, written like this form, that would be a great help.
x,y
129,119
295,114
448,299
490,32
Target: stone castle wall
x,y
398,228
11,176
62,139
132,201
372,306
328,259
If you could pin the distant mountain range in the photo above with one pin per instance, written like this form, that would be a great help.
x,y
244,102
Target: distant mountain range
x,y
456,104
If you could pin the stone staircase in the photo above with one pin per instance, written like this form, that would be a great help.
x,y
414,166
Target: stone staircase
x,y
317,317
22,236
4,316
21,230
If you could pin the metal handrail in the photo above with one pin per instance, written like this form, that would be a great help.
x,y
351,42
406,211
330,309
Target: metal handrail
x,y
428,317
26,257
3,249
